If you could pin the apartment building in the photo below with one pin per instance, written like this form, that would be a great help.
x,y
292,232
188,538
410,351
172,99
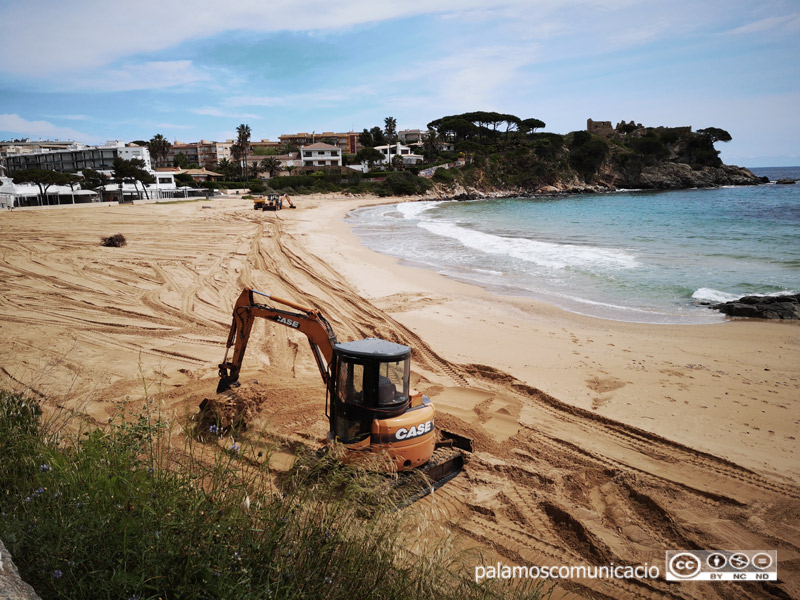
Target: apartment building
x,y
204,153
348,141
321,155
75,159
26,146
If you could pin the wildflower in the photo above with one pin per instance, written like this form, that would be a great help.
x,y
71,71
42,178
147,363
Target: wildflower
x,y
133,597
44,467
28,499
213,429
39,491
57,574
328,580
57,495
235,448
236,556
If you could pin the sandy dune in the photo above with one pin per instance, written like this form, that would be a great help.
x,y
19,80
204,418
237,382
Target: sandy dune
x,y
596,442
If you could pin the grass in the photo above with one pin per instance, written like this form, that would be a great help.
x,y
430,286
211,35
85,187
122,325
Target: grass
x,y
124,512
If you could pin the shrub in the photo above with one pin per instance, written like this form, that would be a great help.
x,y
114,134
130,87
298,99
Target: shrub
x,y
256,186
588,157
404,184
579,138
649,146
114,241
442,175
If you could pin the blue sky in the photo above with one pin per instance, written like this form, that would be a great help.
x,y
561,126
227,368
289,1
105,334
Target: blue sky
x,y
93,71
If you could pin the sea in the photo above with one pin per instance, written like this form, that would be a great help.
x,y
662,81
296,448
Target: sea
x,y
636,256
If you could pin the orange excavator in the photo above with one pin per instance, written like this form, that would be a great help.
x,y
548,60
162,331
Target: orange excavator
x,y
368,403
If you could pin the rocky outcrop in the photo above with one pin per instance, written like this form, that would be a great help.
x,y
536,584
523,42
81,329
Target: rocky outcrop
x,y
675,176
786,181
11,585
763,307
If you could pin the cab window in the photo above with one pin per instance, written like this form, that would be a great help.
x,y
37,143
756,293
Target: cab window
x,y
351,382
393,382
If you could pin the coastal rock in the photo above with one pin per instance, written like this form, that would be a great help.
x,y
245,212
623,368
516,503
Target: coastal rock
x,y
786,181
11,585
763,307
673,176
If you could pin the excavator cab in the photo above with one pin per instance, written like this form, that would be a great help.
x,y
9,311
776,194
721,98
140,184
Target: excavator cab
x,y
370,380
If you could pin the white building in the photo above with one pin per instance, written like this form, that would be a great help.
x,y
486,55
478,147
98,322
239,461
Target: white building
x,y
411,135
321,155
14,195
76,158
405,152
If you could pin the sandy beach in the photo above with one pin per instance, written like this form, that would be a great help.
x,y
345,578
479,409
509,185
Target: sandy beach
x,y
596,441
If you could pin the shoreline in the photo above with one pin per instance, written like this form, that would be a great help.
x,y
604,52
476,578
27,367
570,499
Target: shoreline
x,y
703,385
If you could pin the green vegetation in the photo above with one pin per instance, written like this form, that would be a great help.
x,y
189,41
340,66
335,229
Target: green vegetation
x,y
132,171
121,512
159,147
403,184
241,148
507,152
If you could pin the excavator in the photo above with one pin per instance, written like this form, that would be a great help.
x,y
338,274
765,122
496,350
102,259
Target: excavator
x,y
368,402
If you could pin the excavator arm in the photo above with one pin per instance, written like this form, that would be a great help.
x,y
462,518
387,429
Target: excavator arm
x,y
306,320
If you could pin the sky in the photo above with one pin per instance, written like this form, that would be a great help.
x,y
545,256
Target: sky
x,y
92,71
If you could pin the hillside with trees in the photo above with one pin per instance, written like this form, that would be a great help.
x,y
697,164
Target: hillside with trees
x,y
503,153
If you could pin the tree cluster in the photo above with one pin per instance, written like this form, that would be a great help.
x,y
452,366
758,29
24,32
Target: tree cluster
x,y
482,127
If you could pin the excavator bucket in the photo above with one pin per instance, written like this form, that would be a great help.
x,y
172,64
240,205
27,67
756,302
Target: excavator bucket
x,y
226,383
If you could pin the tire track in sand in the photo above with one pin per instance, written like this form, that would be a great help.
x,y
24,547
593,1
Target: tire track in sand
x,y
534,497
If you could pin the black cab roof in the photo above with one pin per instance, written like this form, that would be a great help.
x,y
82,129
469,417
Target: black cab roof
x,y
382,350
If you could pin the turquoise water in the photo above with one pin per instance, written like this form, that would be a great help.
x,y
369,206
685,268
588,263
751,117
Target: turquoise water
x,y
634,256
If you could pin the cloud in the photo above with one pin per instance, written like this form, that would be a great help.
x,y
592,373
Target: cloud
x,y
318,98
13,123
69,117
69,40
145,76
210,111
782,24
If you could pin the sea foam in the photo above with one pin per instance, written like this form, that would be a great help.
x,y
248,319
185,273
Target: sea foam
x,y
716,297
544,254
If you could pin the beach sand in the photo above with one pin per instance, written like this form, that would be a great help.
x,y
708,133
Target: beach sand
x,y
595,441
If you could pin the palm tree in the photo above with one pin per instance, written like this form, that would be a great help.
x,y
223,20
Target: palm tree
x,y
271,164
236,154
227,168
159,148
243,141
390,129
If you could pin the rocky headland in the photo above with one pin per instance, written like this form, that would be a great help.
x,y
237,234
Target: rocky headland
x,y
601,158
